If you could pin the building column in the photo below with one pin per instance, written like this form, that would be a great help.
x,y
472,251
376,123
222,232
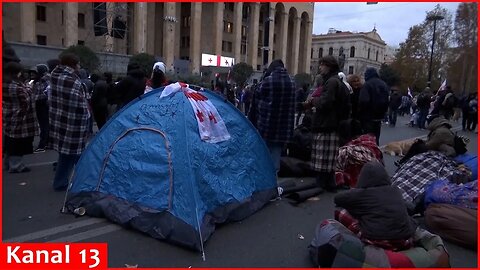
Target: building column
x,y
169,27
253,35
283,37
140,27
218,32
195,37
71,24
295,46
237,31
271,32
109,40
27,22
308,47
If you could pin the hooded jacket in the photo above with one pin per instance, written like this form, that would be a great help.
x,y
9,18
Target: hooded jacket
x,y
377,205
441,138
131,86
373,98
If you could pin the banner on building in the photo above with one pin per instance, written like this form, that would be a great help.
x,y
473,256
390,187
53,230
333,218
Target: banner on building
x,y
217,60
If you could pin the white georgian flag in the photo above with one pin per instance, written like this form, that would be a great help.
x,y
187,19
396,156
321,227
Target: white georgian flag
x,y
211,126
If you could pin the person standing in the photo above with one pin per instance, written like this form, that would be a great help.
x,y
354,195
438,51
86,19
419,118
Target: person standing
x,y
331,107
99,100
19,123
275,106
373,103
69,118
356,83
40,89
394,105
300,97
423,105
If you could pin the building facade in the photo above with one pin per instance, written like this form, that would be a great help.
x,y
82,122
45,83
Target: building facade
x,y
357,51
176,33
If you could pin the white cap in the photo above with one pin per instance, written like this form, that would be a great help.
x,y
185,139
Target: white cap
x,y
159,66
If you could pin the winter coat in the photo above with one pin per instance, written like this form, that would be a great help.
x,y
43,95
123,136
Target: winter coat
x,y
395,101
373,98
275,101
131,86
377,205
332,106
441,138
99,95
69,114
18,111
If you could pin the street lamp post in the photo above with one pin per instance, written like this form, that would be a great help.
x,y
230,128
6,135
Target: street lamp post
x,y
434,18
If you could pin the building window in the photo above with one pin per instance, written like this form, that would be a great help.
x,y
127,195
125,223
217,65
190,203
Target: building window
x,y
330,51
243,49
350,69
41,40
41,13
340,51
311,53
185,42
320,53
273,54
352,51
227,27
62,16
227,46
244,31
259,52
274,38
81,42
186,22
368,55
229,6
81,20
376,56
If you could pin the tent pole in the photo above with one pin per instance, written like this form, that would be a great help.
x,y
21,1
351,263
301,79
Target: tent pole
x,y
191,186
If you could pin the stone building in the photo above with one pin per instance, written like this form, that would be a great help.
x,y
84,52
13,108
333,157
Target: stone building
x,y
358,50
176,33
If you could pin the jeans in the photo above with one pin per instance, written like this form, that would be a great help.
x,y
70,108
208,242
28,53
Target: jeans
x,y
65,166
41,108
275,149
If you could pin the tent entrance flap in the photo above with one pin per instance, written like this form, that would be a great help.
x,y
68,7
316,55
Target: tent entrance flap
x,y
152,166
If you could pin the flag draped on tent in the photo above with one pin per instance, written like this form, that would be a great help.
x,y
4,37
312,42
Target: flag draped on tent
x,y
211,126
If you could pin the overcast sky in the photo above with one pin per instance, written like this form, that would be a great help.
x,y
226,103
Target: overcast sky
x,y
392,19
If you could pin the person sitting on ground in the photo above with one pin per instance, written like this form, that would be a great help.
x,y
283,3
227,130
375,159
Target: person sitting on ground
x,y
375,210
355,151
441,138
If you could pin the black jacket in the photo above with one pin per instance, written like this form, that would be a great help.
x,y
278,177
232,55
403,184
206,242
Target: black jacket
x,y
332,106
131,86
378,206
373,100
395,101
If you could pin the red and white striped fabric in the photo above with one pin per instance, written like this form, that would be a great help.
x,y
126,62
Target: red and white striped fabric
x,y
211,126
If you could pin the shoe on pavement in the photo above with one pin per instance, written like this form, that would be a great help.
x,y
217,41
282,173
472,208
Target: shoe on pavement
x,y
39,150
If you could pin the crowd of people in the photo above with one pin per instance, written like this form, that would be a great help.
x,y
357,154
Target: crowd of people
x,y
344,115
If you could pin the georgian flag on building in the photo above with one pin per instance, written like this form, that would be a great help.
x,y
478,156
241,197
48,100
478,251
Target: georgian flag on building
x,y
211,126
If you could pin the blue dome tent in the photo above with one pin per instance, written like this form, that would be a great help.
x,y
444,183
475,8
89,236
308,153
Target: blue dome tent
x,y
148,169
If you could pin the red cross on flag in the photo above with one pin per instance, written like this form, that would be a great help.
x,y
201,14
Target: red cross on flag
x,y
211,126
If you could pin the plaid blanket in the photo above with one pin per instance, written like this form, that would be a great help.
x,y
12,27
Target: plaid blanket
x,y
336,246
324,151
69,114
352,157
275,101
18,111
414,175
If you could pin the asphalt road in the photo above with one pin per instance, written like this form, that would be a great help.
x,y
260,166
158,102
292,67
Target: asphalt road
x,y
276,236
